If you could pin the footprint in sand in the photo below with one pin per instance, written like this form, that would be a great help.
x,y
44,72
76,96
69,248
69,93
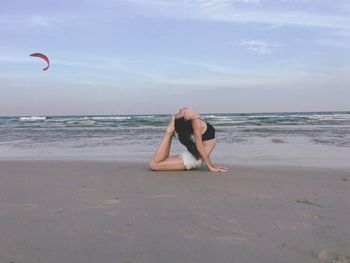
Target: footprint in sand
x,y
260,196
231,240
307,202
112,201
29,205
164,196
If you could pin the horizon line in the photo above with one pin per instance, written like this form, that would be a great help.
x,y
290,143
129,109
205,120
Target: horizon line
x,y
147,114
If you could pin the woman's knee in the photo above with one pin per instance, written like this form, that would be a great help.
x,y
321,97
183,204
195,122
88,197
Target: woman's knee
x,y
153,165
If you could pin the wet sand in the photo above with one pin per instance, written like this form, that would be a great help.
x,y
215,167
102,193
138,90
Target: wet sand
x,y
118,212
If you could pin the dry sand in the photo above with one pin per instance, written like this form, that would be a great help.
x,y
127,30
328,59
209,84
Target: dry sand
x,y
118,212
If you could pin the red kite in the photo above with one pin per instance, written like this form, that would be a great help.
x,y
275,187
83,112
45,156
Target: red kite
x,y
39,55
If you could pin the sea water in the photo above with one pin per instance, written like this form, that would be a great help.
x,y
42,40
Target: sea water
x,y
288,137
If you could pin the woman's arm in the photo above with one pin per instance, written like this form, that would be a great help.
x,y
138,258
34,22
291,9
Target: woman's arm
x,y
197,131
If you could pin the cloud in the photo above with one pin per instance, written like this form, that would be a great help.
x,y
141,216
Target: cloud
x,y
30,22
14,59
232,11
334,43
282,18
208,3
248,1
214,4
259,46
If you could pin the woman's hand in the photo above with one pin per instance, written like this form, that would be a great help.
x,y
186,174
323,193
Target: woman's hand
x,y
217,169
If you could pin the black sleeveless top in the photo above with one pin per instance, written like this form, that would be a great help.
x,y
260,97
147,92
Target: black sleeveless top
x,y
209,133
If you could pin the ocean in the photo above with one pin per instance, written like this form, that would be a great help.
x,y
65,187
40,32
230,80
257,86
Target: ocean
x,y
286,136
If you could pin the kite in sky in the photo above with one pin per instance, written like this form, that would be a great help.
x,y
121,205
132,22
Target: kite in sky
x,y
39,55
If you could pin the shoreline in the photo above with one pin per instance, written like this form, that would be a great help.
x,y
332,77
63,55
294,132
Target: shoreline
x,y
312,163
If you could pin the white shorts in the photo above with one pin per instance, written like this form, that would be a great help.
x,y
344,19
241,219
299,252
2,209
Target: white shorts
x,y
190,161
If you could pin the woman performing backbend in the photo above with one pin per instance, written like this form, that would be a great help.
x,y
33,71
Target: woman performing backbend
x,y
193,132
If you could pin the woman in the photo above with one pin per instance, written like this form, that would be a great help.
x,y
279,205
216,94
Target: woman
x,y
193,132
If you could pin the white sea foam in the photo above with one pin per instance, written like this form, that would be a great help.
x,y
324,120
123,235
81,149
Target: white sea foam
x,y
210,116
146,116
111,118
32,118
333,117
218,117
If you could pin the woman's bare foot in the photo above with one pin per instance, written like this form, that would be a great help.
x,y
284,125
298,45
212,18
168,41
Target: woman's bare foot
x,y
171,126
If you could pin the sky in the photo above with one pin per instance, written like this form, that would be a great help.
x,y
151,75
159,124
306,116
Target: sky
x,y
156,56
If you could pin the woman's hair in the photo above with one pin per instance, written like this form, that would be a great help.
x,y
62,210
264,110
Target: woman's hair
x,y
184,132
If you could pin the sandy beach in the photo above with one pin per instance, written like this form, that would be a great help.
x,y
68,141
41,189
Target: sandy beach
x,y
118,212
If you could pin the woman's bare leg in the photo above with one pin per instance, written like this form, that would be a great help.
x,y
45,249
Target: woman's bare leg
x,y
161,159
164,149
